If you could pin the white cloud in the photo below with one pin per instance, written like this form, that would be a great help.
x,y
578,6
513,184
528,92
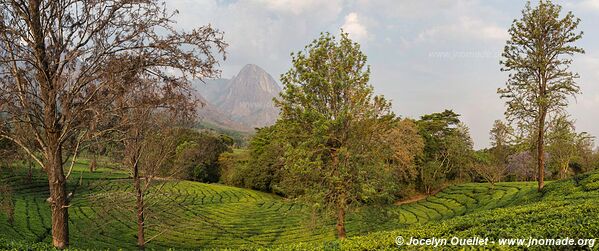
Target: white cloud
x,y
408,9
590,4
264,32
354,27
465,28
261,32
299,7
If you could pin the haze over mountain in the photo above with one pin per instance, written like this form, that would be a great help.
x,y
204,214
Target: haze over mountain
x,y
241,103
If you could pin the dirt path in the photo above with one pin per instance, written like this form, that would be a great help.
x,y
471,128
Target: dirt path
x,y
411,199
418,197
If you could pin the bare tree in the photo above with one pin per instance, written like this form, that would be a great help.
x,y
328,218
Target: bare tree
x,y
53,59
148,148
143,111
491,172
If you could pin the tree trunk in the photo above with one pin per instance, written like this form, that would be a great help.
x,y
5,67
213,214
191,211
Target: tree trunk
x,y
341,222
53,160
140,207
30,172
58,196
92,165
541,151
341,200
563,170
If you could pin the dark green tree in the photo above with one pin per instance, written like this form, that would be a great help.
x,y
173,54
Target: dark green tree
x,y
334,129
266,161
197,154
447,149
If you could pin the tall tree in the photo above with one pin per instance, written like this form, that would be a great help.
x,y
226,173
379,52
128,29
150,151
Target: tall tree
x,y
53,55
143,111
334,129
538,55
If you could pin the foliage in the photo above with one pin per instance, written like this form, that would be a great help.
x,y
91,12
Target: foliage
x,y
460,153
561,140
265,160
191,215
432,176
448,150
435,128
489,167
521,166
240,139
502,138
234,168
197,153
334,129
406,147
538,55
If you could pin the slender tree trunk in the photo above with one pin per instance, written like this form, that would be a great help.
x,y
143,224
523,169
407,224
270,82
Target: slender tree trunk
x,y
341,202
564,169
92,165
341,220
58,194
541,151
140,206
30,171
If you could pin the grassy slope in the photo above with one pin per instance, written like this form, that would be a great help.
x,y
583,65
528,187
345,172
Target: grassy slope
x,y
567,208
195,215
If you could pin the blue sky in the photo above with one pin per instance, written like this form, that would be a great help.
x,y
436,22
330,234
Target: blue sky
x,y
425,56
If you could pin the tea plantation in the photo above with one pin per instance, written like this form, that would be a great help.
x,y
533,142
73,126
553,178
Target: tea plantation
x,y
189,215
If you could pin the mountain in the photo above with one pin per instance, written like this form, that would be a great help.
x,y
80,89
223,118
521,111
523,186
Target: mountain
x,y
245,101
211,116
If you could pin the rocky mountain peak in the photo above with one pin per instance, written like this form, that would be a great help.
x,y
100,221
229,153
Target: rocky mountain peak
x,y
246,98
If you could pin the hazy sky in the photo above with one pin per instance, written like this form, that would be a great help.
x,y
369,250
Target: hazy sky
x,y
425,56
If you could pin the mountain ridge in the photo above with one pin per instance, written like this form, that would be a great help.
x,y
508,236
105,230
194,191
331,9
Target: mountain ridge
x,y
243,102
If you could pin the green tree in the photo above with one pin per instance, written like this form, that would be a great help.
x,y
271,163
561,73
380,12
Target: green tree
x,y
266,161
538,55
584,156
334,129
460,153
447,146
234,167
502,138
561,140
435,128
197,154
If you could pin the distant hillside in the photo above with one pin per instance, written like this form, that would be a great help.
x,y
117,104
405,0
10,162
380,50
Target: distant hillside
x,y
211,115
241,103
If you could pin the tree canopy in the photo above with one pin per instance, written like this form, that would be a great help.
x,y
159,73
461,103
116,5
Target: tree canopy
x,y
538,55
